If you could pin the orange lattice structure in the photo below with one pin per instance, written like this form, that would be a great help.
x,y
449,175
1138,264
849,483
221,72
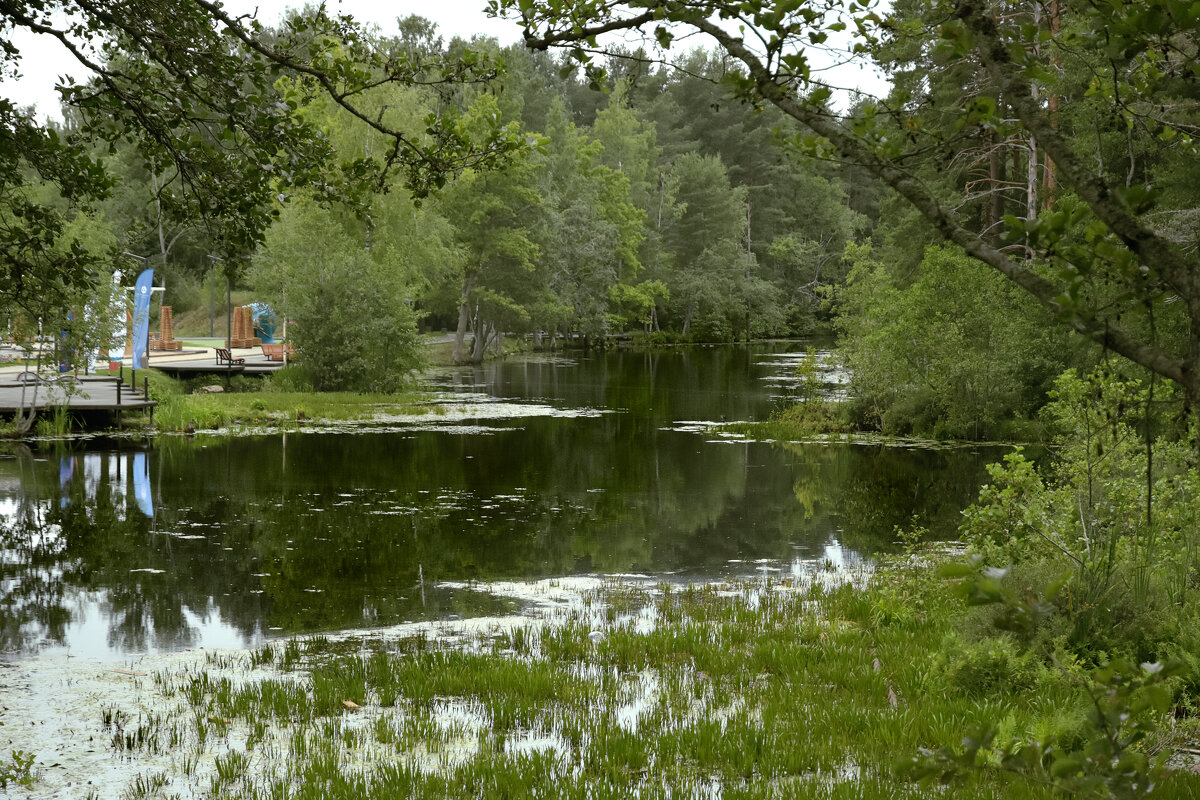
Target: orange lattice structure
x,y
243,329
166,333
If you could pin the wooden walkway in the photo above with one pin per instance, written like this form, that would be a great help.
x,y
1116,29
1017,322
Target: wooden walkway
x,y
101,393
74,393
256,364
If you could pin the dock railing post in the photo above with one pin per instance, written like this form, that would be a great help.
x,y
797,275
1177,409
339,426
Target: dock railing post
x,y
120,380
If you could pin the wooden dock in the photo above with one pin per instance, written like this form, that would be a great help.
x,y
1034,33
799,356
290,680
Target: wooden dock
x,y
82,393
255,364
103,394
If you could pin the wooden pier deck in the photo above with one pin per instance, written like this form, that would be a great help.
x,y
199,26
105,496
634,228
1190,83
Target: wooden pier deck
x,y
99,393
256,364
95,393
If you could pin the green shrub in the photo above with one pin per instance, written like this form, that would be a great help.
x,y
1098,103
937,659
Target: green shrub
x,y
353,325
292,378
19,770
953,351
1128,539
987,667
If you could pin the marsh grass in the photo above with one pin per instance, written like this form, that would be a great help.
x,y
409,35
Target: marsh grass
x,y
765,689
178,412
258,402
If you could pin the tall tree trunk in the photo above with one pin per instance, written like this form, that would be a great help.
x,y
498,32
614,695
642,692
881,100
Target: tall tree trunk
x,y
479,345
996,176
1031,173
1052,101
464,317
1031,178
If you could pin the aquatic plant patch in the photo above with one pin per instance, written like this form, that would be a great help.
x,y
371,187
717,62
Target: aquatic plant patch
x,y
766,688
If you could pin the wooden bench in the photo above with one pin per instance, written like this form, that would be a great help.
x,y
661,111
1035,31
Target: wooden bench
x,y
275,351
225,357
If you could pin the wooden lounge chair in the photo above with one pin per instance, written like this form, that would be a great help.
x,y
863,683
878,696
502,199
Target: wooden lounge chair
x,y
224,357
272,352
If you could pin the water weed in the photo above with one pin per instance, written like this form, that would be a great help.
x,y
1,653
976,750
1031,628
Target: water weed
x,y
753,690
18,770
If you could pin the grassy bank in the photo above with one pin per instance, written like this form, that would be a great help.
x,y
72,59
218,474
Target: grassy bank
x,y
779,689
251,401
798,421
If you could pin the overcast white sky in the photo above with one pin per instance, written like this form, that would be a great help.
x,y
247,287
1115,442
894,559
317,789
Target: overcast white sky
x,y
43,59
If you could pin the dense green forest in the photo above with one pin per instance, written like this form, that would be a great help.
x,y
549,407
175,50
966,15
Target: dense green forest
x,y
568,198
658,204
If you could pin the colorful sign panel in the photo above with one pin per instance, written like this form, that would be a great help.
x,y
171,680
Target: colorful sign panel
x,y
141,315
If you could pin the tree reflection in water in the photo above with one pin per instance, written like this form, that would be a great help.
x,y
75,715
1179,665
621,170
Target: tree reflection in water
x,y
225,541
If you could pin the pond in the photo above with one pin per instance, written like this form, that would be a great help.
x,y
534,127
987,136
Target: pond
x,y
564,466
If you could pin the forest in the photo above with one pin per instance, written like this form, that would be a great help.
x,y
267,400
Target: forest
x,y
631,197
568,201
659,205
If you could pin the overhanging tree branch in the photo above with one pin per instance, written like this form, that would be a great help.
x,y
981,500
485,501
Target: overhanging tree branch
x,y
1152,249
776,86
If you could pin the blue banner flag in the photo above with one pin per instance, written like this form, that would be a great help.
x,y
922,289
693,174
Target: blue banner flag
x,y
141,315
141,484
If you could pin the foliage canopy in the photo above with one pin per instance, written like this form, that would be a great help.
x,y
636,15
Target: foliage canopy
x,y
1094,252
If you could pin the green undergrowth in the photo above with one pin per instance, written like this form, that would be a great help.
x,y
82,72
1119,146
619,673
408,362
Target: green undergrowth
x,y
285,409
799,421
256,402
759,690
17,769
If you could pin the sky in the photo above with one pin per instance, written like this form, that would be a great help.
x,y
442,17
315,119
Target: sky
x,y
43,59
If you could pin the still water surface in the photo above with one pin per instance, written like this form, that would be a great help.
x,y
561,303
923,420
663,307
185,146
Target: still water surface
x,y
119,548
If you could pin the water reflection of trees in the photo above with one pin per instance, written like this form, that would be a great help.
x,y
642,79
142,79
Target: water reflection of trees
x,y
316,532
83,542
870,489
31,595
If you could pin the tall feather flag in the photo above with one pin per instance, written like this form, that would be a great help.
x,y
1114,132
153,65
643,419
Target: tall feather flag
x,y
141,315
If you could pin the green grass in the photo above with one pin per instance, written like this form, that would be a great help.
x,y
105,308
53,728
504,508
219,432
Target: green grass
x,y
763,690
798,421
18,770
286,409
253,403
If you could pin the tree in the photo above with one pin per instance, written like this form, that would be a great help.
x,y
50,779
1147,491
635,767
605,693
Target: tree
x,y
589,232
355,328
494,216
954,352
1097,255
198,89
